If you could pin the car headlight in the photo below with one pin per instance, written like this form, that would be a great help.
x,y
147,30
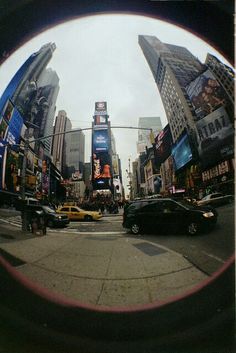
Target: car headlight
x,y
59,217
208,214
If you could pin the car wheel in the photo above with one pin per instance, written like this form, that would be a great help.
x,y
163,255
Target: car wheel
x,y
50,224
192,228
135,228
88,218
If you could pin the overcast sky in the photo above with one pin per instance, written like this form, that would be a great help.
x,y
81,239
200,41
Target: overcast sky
x,y
98,59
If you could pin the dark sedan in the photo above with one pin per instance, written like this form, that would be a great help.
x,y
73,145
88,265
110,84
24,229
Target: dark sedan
x,y
52,219
168,215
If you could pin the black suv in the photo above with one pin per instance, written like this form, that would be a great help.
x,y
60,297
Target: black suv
x,y
166,214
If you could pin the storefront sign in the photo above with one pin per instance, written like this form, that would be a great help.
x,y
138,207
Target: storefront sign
x,y
220,169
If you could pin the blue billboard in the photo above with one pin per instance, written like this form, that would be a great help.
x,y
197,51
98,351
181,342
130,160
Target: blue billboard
x,y
11,123
100,141
181,152
15,81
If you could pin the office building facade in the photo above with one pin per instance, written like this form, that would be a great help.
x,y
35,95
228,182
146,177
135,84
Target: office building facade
x,y
173,68
198,100
75,155
144,141
60,142
49,88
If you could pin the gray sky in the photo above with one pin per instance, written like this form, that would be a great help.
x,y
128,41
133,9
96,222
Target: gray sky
x,y
98,59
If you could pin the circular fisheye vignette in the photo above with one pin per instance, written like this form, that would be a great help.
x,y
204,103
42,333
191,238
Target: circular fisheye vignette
x,y
60,319
204,284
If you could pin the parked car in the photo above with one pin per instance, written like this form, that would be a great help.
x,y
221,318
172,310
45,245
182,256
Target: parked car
x,y
78,214
166,214
52,219
215,199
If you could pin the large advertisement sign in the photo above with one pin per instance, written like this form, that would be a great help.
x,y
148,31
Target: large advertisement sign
x,y
100,108
163,142
14,128
100,140
100,120
101,171
215,137
181,152
11,124
206,94
115,164
15,81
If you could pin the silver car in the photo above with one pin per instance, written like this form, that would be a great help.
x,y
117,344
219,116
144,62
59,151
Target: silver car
x,y
215,199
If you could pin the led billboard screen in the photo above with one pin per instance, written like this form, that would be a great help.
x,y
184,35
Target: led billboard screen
x,y
181,152
101,171
100,140
101,108
206,94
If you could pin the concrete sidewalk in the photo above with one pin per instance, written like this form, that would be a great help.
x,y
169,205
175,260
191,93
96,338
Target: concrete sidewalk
x,y
101,269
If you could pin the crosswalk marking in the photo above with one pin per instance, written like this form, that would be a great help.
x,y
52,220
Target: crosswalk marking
x,y
16,221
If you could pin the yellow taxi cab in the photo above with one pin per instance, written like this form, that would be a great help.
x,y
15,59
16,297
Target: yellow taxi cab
x,y
76,213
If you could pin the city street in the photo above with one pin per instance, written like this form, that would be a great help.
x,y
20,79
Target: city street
x,y
100,263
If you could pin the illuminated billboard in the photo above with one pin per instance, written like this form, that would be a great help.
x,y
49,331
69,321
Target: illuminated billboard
x,y
215,137
100,140
181,152
163,144
206,94
101,171
11,124
100,108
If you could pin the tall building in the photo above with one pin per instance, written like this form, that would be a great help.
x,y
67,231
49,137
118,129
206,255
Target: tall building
x,y
198,101
24,102
49,87
173,68
101,149
223,73
60,143
153,123
22,89
68,149
75,156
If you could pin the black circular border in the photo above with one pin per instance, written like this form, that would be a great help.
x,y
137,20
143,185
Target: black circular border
x,y
33,321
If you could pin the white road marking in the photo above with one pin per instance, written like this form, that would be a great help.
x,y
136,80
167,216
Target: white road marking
x,y
86,233
214,257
